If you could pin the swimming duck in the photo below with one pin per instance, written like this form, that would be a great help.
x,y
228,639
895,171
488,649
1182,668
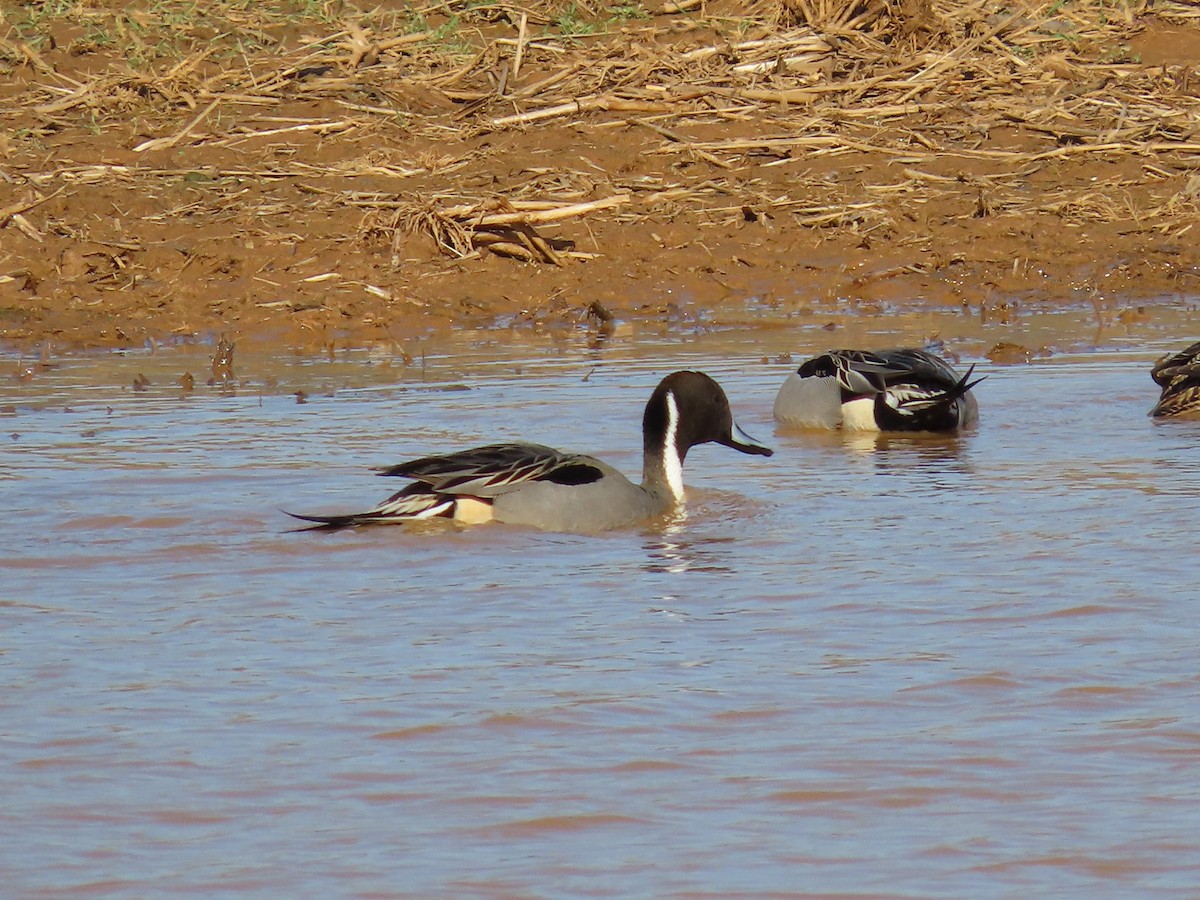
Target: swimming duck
x,y
529,484
1178,375
885,390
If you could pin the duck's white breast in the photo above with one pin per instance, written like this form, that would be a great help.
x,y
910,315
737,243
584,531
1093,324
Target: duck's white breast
x,y
859,415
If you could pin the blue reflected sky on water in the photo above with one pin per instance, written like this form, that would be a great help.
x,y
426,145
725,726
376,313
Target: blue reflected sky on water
x,y
906,667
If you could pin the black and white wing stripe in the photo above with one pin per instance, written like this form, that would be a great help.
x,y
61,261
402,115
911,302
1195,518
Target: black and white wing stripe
x,y
864,372
492,470
925,406
859,372
416,501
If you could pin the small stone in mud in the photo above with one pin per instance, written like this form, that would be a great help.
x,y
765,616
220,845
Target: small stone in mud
x,y
1005,353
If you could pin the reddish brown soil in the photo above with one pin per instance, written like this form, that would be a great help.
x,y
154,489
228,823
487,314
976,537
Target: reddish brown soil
x,y
240,238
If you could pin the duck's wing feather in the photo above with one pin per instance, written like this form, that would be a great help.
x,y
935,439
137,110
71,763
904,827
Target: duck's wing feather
x,y
867,372
921,406
921,367
497,468
857,371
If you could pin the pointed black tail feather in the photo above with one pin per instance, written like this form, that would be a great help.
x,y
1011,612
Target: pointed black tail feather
x,y
415,501
964,384
944,399
328,523
925,410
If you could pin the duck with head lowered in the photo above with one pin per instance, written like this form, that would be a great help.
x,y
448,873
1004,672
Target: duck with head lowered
x,y
882,390
1178,374
530,484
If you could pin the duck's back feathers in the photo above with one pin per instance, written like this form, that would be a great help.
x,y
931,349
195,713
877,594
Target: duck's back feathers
x,y
1179,377
496,468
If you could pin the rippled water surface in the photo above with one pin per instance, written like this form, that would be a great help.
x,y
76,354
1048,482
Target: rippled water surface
x,y
907,667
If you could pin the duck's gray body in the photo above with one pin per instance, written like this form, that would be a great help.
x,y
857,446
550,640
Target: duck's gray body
x,y
526,484
612,501
530,484
809,402
887,390
1178,375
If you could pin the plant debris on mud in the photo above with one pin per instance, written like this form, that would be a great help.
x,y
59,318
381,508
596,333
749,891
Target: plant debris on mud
x,y
316,171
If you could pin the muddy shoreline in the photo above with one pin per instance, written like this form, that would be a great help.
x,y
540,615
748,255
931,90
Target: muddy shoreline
x,y
337,206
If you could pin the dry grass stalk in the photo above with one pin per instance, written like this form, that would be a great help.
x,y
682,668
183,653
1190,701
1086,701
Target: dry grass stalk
x,y
14,210
831,15
25,226
529,215
164,143
498,226
834,82
521,38
582,105
796,42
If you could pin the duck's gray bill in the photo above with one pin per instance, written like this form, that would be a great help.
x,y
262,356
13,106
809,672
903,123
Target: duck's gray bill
x,y
739,440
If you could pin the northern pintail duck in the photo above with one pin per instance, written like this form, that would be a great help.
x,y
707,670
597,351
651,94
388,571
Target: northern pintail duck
x,y
1178,374
885,390
529,484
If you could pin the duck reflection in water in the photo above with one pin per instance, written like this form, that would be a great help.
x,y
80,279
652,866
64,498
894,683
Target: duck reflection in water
x,y
671,553
930,455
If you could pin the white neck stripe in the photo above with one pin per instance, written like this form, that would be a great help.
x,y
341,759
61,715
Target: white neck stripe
x,y
672,464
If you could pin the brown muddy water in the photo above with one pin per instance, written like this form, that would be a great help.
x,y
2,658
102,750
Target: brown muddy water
x,y
895,668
